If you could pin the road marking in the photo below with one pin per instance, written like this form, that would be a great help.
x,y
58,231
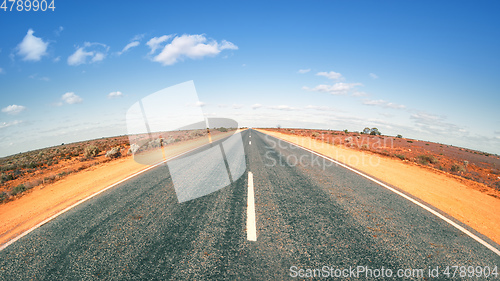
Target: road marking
x,y
2,247
251,229
250,142
437,214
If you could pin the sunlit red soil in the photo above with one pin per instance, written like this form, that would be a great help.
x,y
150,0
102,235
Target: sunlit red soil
x,y
470,164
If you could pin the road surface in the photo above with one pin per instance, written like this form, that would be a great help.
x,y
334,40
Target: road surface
x,y
308,214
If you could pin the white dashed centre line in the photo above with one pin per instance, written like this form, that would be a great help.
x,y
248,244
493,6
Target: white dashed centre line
x,y
251,228
250,142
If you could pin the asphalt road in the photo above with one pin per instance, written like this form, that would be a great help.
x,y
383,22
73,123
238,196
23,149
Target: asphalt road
x,y
308,216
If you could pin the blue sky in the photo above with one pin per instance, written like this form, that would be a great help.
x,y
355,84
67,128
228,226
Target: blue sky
x,y
424,69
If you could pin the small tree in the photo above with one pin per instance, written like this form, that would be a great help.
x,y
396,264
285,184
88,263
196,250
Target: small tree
x,y
366,130
374,132
399,136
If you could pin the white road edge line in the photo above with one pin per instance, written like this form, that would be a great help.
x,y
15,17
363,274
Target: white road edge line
x,y
93,195
250,142
437,214
251,229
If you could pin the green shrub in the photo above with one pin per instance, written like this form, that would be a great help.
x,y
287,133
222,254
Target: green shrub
x,y
399,136
426,159
91,151
497,185
315,134
198,133
410,141
49,179
6,177
400,156
222,129
64,173
457,168
3,196
18,189
114,152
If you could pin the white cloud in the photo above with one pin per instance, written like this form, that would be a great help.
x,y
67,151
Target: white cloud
x,y
197,104
156,42
387,115
59,30
98,57
374,102
79,57
435,124
426,118
359,94
13,109
8,124
384,103
57,59
332,75
129,46
257,105
43,78
116,94
96,53
138,37
32,48
321,108
284,107
302,71
71,98
187,46
373,75
237,106
395,105
335,89
2,71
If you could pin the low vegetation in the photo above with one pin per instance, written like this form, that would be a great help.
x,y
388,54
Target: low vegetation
x,y
18,189
400,156
427,159
478,166
457,168
21,172
91,151
114,152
